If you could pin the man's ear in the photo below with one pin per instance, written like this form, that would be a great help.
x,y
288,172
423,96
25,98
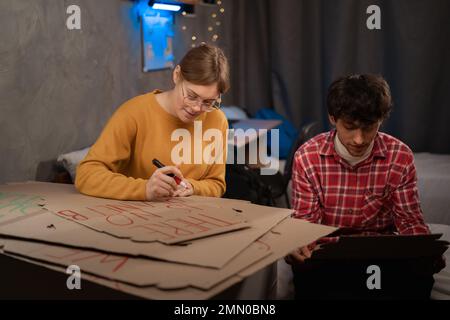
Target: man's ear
x,y
332,120
380,123
176,75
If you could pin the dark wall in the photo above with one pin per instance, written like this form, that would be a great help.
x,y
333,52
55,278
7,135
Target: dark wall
x,y
59,87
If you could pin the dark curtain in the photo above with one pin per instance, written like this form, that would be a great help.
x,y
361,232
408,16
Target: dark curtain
x,y
247,44
285,53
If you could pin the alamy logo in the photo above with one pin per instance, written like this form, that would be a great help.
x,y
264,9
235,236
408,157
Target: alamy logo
x,y
208,147
74,280
73,21
374,281
374,20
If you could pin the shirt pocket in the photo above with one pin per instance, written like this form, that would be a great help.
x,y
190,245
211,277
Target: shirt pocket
x,y
372,205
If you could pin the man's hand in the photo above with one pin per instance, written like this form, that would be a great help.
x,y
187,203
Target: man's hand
x,y
160,185
300,255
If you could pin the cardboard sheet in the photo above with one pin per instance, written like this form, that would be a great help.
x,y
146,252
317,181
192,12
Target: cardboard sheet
x,y
15,205
212,252
168,221
144,292
284,238
137,271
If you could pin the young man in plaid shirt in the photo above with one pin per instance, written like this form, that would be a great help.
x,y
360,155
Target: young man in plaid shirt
x,y
355,177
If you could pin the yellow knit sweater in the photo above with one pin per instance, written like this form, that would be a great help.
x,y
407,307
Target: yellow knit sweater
x,y
119,164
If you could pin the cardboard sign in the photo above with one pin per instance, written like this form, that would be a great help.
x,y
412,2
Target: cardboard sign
x,y
137,271
284,238
145,292
14,206
210,252
168,221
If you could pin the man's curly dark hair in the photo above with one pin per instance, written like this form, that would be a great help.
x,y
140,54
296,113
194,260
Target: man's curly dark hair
x,y
363,99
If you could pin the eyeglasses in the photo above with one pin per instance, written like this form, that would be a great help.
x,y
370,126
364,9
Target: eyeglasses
x,y
205,105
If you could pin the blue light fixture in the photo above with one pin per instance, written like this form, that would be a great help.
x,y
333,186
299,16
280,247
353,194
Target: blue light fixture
x,y
166,5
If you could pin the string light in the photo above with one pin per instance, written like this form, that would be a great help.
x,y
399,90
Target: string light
x,y
214,24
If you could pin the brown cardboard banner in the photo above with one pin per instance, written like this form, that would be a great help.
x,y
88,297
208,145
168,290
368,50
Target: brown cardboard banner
x,y
47,227
141,274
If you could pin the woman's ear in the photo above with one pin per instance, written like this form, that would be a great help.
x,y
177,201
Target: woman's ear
x,y
176,75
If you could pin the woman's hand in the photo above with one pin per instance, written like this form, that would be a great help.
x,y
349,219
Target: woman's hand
x,y
160,185
184,192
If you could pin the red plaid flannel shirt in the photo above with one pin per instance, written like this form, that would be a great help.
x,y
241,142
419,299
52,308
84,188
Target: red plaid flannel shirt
x,y
377,196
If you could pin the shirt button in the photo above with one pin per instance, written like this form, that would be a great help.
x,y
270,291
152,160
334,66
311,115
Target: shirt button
x,y
350,211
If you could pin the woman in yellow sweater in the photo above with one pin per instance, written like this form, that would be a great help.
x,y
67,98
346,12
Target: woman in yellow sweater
x,y
119,164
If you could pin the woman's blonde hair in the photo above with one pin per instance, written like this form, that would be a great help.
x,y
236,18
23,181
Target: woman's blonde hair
x,y
206,65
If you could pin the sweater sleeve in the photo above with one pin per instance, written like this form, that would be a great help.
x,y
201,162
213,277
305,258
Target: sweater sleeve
x,y
99,174
213,183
